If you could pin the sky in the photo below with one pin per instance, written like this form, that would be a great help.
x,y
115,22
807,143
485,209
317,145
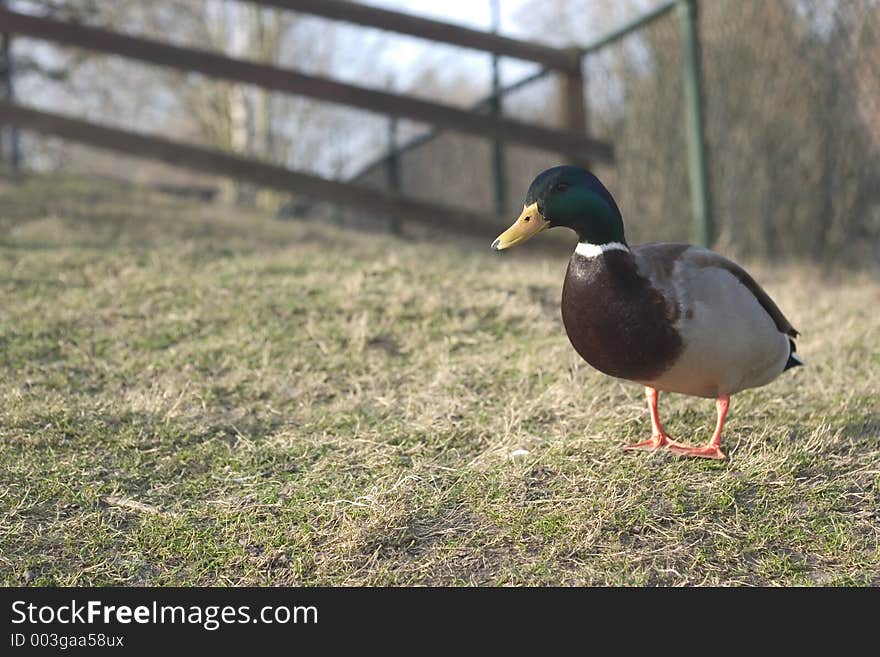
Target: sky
x,y
473,13
409,55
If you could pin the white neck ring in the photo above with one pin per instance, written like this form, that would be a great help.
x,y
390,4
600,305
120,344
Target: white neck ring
x,y
588,250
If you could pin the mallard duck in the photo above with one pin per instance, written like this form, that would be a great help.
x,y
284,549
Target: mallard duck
x,y
672,317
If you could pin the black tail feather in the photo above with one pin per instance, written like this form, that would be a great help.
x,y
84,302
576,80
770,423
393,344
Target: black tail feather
x,y
793,359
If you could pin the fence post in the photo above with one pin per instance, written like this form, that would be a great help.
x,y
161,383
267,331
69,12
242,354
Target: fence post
x,y
698,175
393,172
574,105
6,71
496,109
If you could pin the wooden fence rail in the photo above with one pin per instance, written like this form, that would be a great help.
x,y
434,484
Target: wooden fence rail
x,y
571,143
560,59
260,173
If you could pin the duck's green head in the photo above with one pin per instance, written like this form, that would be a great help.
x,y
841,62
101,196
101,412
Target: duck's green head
x,y
566,196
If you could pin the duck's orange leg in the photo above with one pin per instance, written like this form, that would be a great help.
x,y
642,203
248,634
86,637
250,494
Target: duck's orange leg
x,y
659,438
713,449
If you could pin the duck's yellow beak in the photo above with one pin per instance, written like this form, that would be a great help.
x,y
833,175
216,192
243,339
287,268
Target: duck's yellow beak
x,y
530,223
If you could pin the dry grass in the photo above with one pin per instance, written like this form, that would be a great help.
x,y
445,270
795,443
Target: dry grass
x,y
192,395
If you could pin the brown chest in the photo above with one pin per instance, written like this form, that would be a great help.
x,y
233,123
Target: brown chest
x,y
616,320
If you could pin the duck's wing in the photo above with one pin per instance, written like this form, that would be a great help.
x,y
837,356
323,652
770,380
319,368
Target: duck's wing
x,y
706,258
666,266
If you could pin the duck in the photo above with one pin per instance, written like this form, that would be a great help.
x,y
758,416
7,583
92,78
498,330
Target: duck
x,y
671,317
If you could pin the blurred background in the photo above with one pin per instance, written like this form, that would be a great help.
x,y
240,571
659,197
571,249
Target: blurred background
x,y
752,126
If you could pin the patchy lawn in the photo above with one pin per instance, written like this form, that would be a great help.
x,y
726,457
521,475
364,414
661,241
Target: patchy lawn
x,y
197,395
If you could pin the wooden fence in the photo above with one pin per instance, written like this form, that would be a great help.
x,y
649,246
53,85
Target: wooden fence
x,y
571,141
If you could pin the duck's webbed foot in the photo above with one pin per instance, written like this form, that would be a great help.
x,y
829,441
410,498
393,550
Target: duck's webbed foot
x,y
656,441
706,451
713,449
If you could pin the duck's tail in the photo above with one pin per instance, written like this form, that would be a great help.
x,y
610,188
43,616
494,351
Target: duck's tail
x,y
794,359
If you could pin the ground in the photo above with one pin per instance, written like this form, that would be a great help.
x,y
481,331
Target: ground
x,y
198,395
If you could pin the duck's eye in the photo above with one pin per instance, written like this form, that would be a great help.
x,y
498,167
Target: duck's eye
x,y
560,187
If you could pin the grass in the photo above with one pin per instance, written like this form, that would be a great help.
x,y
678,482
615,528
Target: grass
x,y
195,395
